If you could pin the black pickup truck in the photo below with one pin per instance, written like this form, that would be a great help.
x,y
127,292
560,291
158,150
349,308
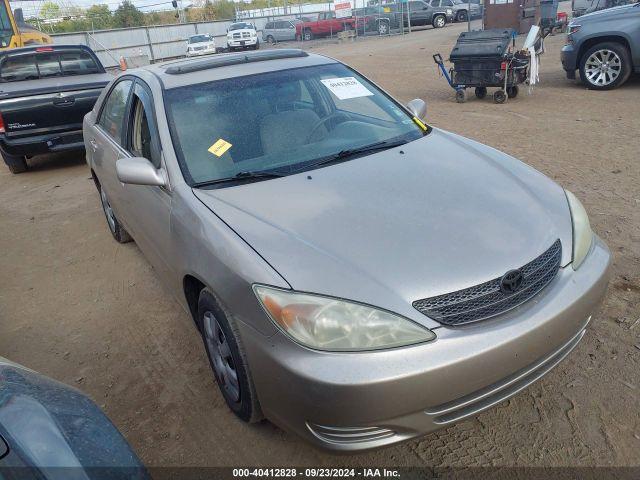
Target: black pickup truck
x,y
45,91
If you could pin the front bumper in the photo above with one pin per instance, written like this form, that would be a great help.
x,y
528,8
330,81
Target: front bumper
x,y
200,53
569,59
240,43
29,145
357,401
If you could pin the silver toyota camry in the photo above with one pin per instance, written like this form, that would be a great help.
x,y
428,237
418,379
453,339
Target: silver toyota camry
x,y
358,277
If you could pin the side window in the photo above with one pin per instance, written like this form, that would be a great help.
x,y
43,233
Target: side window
x,y
142,139
141,133
112,115
447,3
269,26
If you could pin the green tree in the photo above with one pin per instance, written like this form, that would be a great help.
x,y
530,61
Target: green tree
x,y
224,10
127,15
99,16
50,10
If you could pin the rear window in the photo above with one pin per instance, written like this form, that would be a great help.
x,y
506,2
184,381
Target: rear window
x,y
47,64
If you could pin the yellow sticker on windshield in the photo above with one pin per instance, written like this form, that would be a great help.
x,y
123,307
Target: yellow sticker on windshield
x,y
420,123
219,147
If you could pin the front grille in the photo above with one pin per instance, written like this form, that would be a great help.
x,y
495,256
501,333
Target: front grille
x,y
236,35
487,299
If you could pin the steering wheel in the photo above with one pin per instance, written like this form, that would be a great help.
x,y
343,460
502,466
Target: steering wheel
x,y
321,122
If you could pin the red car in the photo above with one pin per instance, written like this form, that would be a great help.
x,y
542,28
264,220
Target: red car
x,y
327,24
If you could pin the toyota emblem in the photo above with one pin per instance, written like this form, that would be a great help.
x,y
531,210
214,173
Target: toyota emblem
x,y
511,281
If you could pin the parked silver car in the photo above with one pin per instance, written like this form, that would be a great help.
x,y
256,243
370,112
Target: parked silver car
x,y
279,31
358,277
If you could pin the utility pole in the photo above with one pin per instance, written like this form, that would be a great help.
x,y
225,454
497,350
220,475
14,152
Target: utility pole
x,y
469,17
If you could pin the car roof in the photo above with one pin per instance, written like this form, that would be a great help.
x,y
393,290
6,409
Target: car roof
x,y
178,73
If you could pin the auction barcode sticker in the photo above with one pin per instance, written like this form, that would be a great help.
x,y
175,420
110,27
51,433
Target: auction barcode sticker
x,y
346,87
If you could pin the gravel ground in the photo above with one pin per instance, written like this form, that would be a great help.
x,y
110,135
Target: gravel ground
x,y
85,310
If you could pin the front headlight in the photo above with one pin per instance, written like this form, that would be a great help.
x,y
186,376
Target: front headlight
x,y
325,323
582,234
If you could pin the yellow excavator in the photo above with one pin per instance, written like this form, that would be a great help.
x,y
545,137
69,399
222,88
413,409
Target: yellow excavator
x,y
15,32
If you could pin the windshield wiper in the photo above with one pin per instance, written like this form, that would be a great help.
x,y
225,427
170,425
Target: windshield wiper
x,y
238,177
348,153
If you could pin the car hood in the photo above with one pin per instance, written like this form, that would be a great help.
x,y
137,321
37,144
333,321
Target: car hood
x,y
390,228
241,30
202,44
599,14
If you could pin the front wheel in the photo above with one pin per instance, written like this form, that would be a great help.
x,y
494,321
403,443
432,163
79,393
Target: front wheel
x,y
512,92
256,46
227,359
308,35
462,16
383,28
270,39
605,66
117,230
439,21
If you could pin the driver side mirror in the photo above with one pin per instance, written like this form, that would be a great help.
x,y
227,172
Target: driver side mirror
x,y
418,108
139,171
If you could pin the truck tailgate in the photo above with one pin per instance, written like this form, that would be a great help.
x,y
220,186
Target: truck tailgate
x,y
48,106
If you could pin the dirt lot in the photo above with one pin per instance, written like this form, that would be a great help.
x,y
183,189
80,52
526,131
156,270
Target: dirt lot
x,y
83,309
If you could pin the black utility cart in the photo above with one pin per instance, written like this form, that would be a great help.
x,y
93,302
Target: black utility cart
x,y
486,58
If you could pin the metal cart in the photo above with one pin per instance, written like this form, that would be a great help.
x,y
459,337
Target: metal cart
x,y
483,59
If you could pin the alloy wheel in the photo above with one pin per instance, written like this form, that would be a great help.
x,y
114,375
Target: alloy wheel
x,y
383,28
440,21
603,67
108,211
221,358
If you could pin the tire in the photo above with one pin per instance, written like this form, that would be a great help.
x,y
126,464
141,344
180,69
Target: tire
x,y
512,92
462,16
461,96
481,92
270,39
308,35
617,62
499,96
383,28
116,229
227,359
16,163
256,46
439,21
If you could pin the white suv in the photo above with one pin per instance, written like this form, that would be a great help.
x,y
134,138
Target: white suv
x,y
201,44
242,36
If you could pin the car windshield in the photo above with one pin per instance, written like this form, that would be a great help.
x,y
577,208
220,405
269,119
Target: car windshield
x,y
199,39
281,122
240,26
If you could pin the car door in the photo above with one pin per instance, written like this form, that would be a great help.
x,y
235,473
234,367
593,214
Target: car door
x,y
148,207
419,13
278,31
290,31
106,140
